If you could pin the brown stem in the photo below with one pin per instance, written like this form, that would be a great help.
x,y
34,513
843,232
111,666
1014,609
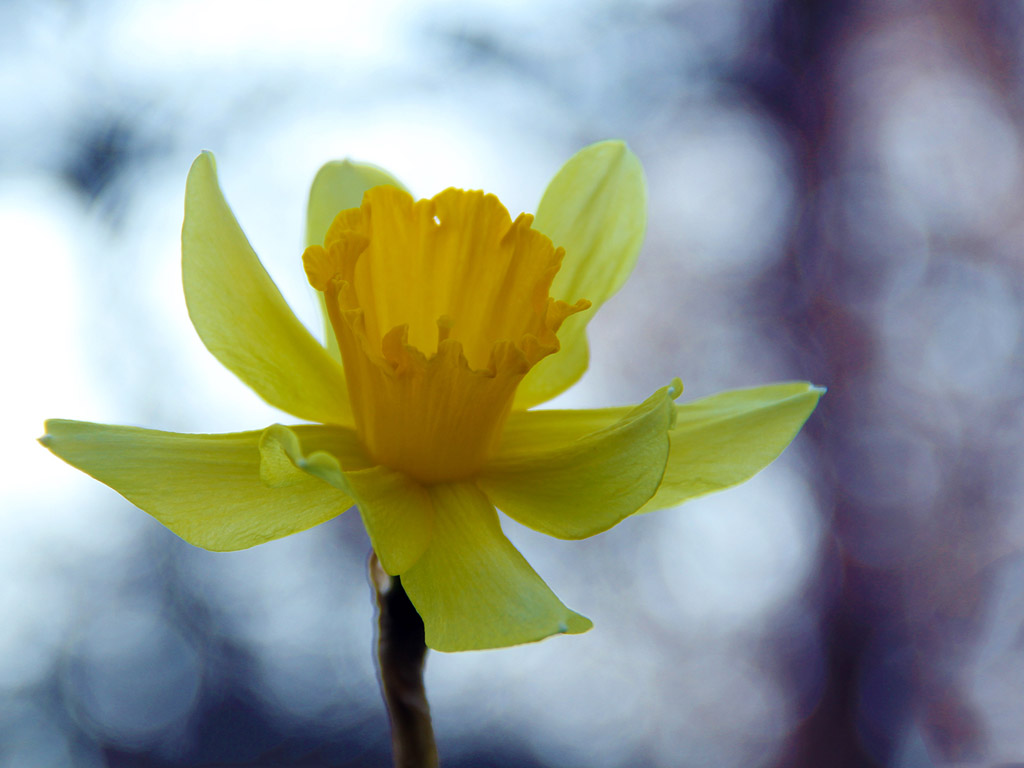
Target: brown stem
x,y
401,653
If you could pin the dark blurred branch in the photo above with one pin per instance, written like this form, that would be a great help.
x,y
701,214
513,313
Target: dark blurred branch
x,y
793,75
890,629
401,653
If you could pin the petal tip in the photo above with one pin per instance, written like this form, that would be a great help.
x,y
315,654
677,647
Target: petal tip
x,y
50,429
613,145
205,159
576,625
345,164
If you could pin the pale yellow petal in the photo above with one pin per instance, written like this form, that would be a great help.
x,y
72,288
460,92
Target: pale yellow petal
x,y
208,489
572,484
396,510
716,441
472,587
596,209
338,185
241,316
722,440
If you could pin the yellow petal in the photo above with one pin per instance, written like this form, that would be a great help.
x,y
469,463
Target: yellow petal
x,y
240,314
396,510
596,209
472,587
206,488
722,440
339,185
559,480
397,516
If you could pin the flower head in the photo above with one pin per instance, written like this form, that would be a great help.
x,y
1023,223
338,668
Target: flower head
x,y
447,321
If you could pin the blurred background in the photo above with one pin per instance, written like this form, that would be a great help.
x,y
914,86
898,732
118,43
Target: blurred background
x,y
835,195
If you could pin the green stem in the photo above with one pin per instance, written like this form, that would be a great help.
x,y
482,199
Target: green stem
x,y
401,653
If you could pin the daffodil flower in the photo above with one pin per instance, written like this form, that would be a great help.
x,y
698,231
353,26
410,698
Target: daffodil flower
x,y
442,334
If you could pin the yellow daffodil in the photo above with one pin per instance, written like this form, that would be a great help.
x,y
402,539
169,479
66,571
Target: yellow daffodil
x,y
447,321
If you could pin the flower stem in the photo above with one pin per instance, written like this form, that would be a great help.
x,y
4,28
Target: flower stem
x,y
401,653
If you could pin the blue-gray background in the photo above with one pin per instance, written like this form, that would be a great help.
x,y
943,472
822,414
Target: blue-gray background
x,y
835,195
